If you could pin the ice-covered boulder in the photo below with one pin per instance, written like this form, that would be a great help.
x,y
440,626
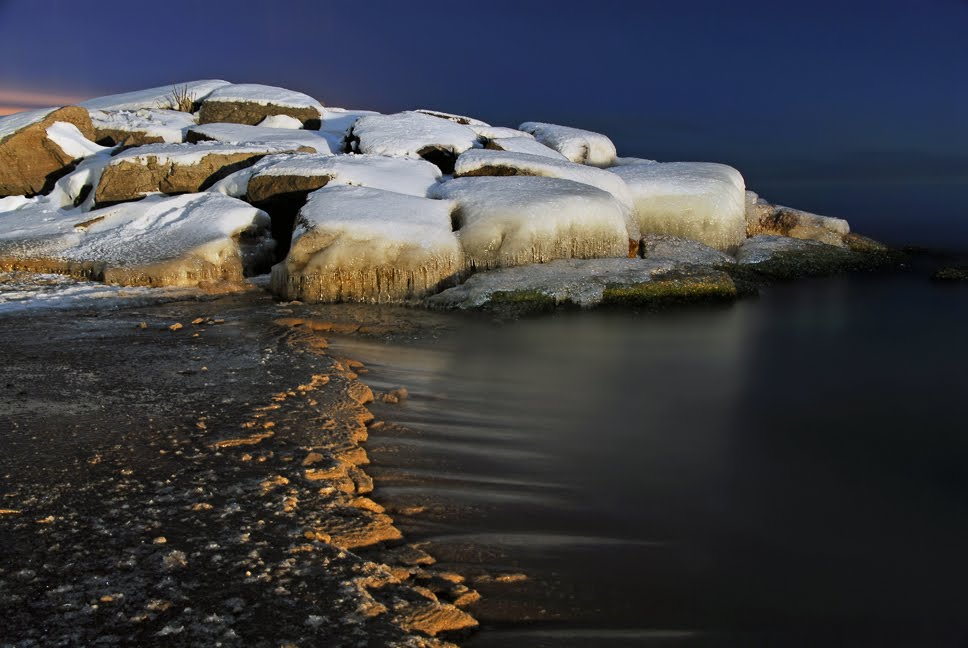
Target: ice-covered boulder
x,y
310,140
139,127
763,217
368,245
250,103
581,146
160,241
488,162
175,168
178,96
39,146
696,200
658,247
413,134
586,284
507,221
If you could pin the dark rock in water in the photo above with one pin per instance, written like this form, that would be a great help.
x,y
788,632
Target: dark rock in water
x,y
951,273
779,257
30,161
764,218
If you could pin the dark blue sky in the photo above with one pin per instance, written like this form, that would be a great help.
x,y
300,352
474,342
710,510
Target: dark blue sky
x,y
829,89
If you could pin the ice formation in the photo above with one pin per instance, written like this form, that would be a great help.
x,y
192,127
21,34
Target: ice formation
x,y
413,134
363,244
696,200
293,139
149,126
171,241
582,146
508,221
153,98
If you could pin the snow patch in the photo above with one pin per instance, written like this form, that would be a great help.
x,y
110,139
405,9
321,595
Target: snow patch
x,y
18,121
281,121
260,135
72,141
189,154
341,120
527,145
153,97
263,95
169,125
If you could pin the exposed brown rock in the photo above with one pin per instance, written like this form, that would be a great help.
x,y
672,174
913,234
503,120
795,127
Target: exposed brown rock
x,y
265,187
130,180
116,136
763,217
243,112
30,162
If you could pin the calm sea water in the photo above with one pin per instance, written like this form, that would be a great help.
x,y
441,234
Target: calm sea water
x,y
787,471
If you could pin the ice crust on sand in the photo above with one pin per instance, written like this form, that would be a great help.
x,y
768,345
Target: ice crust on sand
x,y
168,126
368,245
581,146
154,98
411,134
318,141
171,241
508,221
702,201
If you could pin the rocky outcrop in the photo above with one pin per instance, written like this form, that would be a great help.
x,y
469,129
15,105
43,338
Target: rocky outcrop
x,y
764,218
30,161
250,104
137,128
174,169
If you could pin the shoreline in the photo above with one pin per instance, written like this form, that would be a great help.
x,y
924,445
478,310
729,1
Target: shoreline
x,y
262,531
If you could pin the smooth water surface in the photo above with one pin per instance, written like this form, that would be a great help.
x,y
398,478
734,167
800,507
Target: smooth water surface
x,y
789,471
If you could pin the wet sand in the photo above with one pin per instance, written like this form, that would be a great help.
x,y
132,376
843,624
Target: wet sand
x,y
192,473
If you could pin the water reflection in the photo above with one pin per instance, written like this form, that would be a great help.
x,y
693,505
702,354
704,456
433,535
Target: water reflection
x,y
785,472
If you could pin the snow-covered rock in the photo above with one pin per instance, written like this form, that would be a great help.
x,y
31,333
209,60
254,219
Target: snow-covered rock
x,y
38,146
581,146
175,168
286,174
696,200
139,127
340,120
368,245
527,145
250,103
763,217
314,141
162,97
413,134
656,247
457,119
586,284
506,221
160,241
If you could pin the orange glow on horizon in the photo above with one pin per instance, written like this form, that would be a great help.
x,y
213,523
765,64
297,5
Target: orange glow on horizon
x,y
13,100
